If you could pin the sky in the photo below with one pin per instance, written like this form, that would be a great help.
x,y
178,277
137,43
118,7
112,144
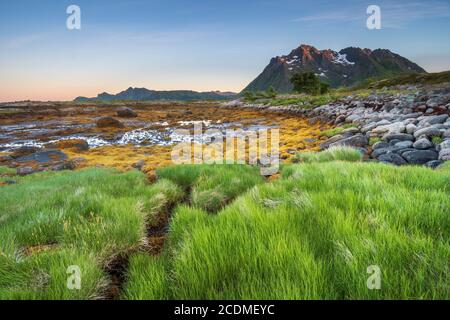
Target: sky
x,y
197,45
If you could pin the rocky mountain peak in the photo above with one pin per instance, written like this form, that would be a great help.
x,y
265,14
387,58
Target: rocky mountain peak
x,y
343,68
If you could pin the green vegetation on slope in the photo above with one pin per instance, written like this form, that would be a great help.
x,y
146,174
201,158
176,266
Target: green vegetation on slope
x,y
405,79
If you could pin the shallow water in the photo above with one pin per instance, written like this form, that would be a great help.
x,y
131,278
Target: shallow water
x,y
40,133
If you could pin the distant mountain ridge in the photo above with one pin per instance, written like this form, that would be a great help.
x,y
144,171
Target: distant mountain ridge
x,y
344,68
143,94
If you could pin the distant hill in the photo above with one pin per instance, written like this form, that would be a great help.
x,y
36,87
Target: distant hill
x,y
344,68
143,94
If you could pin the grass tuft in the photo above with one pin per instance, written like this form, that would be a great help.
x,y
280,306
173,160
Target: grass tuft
x,y
341,153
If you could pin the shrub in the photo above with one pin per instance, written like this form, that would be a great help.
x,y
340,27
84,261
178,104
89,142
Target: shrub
x,y
309,83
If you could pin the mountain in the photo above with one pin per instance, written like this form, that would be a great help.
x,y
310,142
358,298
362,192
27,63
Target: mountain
x,y
143,94
344,68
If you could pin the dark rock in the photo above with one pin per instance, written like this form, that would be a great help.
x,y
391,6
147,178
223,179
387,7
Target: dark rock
x,y
45,156
126,113
421,108
433,164
333,139
340,119
423,144
23,171
420,156
398,136
434,120
380,145
105,122
404,144
4,159
350,131
392,158
429,132
68,165
401,151
358,140
10,182
78,144
23,151
393,142
378,152
139,165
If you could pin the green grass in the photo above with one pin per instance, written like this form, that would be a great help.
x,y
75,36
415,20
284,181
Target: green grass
x,y
437,140
212,186
7,171
312,235
86,218
332,154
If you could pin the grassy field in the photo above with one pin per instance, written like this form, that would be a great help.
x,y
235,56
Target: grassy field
x,y
310,234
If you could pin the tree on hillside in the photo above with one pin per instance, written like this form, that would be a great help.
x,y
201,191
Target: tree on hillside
x,y
309,83
271,92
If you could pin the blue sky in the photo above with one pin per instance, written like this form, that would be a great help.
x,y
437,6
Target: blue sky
x,y
199,45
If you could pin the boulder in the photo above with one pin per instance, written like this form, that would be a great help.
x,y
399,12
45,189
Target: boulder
x,y
380,145
398,136
45,156
423,144
396,127
429,132
411,128
126,112
333,139
392,158
404,144
378,152
77,144
447,133
433,120
444,155
105,122
67,165
23,151
420,156
433,164
23,171
357,140
139,165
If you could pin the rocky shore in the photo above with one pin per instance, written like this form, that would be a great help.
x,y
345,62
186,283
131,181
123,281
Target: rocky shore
x,y
403,125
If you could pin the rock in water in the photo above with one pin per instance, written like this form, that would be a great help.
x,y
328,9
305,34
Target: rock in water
x,y
105,122
126,112
23,151
77,144
45,156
